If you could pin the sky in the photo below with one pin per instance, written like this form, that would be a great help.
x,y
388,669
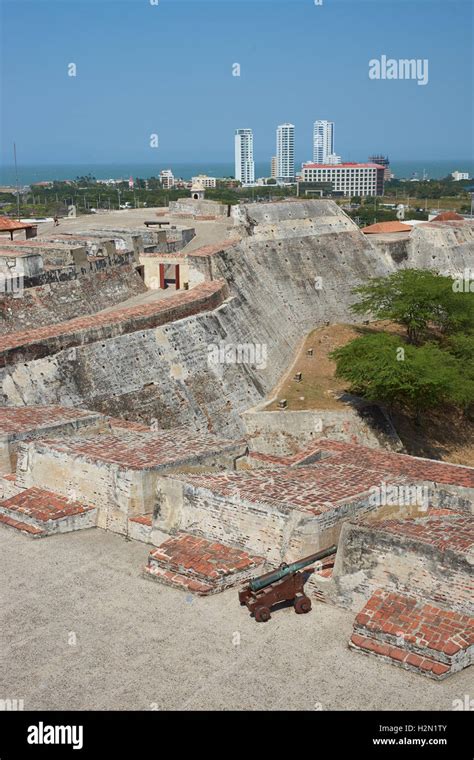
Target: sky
x,y
165,67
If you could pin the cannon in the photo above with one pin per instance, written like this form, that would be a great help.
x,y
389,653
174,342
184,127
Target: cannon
x,y
286,583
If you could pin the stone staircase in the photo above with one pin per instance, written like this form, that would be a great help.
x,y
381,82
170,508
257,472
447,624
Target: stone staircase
x,y
200,566
140,527
39,513
414,634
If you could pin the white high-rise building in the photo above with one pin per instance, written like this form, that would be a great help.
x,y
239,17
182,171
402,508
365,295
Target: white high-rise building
x,y
285,137
244,163
323,141
167,179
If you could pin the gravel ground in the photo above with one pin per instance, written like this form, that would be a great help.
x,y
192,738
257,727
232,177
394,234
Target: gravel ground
x,y
81,629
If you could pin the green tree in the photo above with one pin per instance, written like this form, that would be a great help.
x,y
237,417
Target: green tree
x,y
379,368
418,300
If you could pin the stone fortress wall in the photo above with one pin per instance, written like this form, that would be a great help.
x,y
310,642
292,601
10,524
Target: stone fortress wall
x,y
292,269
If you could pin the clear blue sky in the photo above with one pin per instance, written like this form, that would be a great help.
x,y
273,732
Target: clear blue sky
x,y
167,69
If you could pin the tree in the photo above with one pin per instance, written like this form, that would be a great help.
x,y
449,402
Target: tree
x,y
380,369
418,300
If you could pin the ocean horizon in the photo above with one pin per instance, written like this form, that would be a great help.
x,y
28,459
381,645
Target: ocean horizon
x,y
30,173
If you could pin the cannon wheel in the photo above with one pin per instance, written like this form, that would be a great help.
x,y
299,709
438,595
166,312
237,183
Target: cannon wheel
x,y
302,604
262,614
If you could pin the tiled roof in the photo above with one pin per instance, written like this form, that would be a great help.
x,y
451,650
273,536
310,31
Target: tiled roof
x,y
448,216
7,224
386,227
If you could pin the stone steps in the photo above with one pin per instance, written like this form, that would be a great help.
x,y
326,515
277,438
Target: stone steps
x,y
178,580
41,513
414,635
199,565
140,527
22,527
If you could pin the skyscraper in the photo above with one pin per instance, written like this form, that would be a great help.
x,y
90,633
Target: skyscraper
x,y
244,163
285,153
323,141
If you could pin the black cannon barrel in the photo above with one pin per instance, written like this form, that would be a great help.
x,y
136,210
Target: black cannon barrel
x,y
275,575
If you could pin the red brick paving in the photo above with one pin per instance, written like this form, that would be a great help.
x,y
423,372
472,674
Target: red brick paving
x,y
199,565
43,505
23,419
142,520
31,530
208,559
314,488
134,450
453,531
414,633
212,250
416,468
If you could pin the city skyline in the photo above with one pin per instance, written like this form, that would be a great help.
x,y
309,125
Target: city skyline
x,y
126,88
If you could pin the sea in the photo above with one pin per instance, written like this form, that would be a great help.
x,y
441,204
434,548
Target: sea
x,y
27,174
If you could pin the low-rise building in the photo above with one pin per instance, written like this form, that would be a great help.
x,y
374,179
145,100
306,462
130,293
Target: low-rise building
x,y
204,180
457,176
347,178
167,179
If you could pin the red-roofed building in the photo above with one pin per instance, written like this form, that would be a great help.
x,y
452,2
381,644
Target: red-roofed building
x,y
12,225
383,227
347,178
448,216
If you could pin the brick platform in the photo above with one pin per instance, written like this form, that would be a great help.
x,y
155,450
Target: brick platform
x,y
18,420
200,566
407,632
315,488
135,448
414,468
41,513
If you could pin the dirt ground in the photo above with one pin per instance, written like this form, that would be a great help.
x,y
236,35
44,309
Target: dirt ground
x,y
443,434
